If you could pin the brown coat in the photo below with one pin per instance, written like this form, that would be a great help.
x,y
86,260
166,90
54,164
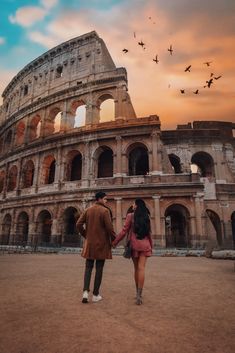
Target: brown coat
x,y
98,233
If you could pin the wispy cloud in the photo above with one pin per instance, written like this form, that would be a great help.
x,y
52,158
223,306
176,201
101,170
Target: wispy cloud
x,y
27,16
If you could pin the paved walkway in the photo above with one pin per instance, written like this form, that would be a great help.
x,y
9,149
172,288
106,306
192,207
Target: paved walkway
x,y
188,307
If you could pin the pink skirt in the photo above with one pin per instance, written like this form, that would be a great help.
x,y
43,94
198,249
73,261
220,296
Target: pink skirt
x,y
136,253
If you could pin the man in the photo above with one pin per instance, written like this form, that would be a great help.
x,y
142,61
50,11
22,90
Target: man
x,y
98,234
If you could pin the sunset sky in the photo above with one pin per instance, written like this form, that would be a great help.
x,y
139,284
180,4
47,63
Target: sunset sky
x,y
198,30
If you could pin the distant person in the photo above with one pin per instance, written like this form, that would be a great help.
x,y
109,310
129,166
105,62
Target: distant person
x,y
137,224
98,234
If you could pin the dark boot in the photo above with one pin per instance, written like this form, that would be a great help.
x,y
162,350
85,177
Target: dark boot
x,y
139,300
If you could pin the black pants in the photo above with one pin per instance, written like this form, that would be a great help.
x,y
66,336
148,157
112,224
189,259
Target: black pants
x,y
98,275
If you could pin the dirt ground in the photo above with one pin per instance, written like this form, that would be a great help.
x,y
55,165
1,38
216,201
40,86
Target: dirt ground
x,y
188,306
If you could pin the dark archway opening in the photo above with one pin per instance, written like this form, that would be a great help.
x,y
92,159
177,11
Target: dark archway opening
x,y
71,236
105,164
76,168
175,162
205,164
22,230
233,227
139,161
6,230
177,227
44,227
215,220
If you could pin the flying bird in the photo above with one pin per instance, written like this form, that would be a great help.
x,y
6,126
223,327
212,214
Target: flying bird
x,y
182,91
188,68
170,49
208,63
209,83
125,50
212,74
216,78
156,60
196,92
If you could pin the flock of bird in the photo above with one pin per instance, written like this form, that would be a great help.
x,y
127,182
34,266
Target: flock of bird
x,y
209,82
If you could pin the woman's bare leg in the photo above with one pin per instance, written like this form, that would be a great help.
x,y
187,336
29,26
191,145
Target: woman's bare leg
x,y
135,262
141,271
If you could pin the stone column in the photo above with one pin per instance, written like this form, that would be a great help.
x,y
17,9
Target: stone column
x,y
155,160
118,158
118,213
37,172
59,165
5,181
19,176
12,236
198,214
86,165
193,231
157,220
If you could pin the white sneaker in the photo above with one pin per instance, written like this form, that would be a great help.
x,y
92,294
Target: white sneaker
x,y
96,298
85,296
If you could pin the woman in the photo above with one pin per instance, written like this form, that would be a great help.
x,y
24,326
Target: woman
x,y
137,224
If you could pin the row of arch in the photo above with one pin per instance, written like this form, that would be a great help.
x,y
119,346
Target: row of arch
x,y
177,228
138,164
55,122
201,162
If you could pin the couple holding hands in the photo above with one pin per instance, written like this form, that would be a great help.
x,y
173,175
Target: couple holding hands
x,y
100,237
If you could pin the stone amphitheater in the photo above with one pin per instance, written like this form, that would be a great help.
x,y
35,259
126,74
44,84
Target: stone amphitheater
x,y
51,164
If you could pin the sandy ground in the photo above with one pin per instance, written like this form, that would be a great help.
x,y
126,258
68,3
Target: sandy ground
x,y
188,306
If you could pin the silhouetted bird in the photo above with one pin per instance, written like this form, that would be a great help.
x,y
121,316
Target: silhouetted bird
x,y
196,92
216,78
209,83
208,63
141,44
182,91
170,49
212,74
188,68
156,60
125,50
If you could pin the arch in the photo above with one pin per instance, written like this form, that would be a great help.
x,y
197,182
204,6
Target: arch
x,y
6,229
177,226
8,140
104,162
12,178
28,174
44,224
2,180
80,116
53,122
205,164
48,170
70,234
175,162
233,227
20,133
107,108
215,221
22,229
35,128
138,159
74,166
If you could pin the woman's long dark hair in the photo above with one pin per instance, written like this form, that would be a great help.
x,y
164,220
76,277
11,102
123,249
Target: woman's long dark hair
x,y
141,219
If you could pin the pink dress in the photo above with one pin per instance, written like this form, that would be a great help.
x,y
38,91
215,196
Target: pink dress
x,y
139,247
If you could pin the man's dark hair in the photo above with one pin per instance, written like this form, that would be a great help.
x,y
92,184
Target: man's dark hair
x,y
100,195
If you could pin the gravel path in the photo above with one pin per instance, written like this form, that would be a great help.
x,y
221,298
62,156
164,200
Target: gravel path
x,y
188,306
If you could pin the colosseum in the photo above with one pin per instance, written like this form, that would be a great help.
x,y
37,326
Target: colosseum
x,y
51,164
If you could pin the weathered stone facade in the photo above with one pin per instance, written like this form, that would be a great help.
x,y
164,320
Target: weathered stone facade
x,y
49,172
